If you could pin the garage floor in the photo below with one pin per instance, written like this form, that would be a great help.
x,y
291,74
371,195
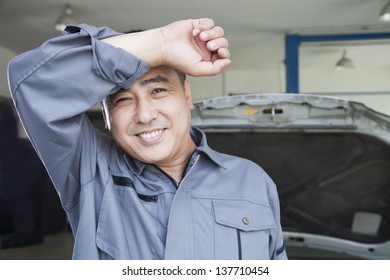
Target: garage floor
x,y
54,247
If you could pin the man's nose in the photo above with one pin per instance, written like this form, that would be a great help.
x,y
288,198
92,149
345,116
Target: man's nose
x,y
146,111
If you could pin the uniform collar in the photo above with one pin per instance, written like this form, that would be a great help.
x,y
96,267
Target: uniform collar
x,y
200,140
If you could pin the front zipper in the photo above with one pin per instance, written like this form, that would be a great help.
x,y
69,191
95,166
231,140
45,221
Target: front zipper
x,y
174,182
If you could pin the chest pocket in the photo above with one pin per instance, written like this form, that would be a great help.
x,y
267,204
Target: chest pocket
x,y
126,182
242,230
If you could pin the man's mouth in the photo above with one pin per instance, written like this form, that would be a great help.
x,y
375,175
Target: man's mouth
x,y
150,135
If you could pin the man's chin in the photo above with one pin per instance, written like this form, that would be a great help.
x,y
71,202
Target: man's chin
x,y
154,158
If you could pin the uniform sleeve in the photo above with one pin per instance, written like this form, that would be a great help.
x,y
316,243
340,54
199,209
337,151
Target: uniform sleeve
x,y
53,85
277,243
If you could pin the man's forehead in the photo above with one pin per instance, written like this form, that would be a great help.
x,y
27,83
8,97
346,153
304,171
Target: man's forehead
x,y
157,74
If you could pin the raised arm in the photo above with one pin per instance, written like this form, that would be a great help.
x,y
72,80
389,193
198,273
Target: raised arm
x,y
53,85
195,47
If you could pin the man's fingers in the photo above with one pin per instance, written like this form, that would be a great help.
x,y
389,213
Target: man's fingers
x,y
205,54
217,44
206,30
211,34
221,54
201,25
224,53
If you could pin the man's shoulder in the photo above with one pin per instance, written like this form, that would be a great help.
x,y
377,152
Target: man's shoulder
x,y
239,166
233,160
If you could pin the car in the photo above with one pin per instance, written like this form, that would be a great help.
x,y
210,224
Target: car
x,y
329,158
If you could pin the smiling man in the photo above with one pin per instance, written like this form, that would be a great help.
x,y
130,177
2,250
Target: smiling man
x,y
155,189
151,120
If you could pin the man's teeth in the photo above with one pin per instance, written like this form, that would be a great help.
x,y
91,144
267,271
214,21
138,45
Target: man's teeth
x,y
150,135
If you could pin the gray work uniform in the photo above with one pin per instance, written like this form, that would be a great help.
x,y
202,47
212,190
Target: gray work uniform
x,y
119,208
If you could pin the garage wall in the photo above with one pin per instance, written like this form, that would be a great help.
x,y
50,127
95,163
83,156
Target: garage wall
x,y
259,68
5,57
370,86
256,67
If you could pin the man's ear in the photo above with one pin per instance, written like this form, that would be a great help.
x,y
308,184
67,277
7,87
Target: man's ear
x,y
187,92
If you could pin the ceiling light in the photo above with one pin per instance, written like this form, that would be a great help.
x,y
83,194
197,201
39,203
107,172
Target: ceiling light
x,y
344,62
67,18
384,15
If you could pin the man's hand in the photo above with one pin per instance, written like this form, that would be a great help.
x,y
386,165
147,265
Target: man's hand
x,y
195,47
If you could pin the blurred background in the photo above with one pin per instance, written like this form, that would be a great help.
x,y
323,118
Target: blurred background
x,y
328,47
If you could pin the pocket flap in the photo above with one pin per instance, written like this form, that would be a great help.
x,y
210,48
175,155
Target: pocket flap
x,y
243,214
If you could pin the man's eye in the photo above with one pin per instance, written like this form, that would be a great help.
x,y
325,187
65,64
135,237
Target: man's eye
x,y
122,101
158,90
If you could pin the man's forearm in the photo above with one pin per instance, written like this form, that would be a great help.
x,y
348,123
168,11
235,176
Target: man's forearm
x,y
146,45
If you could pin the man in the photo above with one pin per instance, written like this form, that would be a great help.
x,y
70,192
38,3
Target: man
x,y
155,190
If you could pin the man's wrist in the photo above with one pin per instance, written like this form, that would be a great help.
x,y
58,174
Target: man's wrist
x,y
146,45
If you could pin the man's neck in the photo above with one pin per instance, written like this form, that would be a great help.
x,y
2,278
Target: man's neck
x,y
175,169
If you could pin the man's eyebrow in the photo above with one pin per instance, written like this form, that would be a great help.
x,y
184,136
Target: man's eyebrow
x,y
156,79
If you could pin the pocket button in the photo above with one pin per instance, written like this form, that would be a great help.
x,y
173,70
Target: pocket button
x,y
245,220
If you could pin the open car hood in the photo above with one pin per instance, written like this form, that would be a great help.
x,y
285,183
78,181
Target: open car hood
x,y
330,160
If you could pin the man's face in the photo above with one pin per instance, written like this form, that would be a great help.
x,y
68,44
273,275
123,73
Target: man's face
x,y
151,120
